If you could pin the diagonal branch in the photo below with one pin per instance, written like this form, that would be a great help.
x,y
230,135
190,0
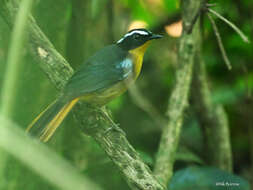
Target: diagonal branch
x,y
142,102
220,44
92,120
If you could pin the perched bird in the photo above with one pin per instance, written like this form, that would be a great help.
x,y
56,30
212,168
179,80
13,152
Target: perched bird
x,y
104,76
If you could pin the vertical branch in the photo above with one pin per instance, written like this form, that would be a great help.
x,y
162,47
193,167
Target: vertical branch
x,y
8,91
213,119
14,56
179,98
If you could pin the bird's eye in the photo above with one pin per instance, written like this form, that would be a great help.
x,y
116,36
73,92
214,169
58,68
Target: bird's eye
x,y
136,36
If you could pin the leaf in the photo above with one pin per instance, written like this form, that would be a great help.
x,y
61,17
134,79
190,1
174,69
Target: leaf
x,y
206,178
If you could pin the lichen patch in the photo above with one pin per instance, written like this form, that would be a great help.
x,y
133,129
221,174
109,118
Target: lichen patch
x,y
42,52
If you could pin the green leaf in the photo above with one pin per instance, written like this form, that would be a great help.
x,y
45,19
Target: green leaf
x,y
206,178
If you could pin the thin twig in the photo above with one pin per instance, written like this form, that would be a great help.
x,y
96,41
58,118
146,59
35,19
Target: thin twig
x,y
143,103
222,49
232,25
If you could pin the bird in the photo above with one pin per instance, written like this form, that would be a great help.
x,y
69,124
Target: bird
x,y
104,76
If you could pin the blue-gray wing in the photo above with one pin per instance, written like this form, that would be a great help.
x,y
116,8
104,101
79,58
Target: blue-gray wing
x,y
107,67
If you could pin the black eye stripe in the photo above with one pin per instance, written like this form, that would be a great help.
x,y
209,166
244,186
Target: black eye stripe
x,y
136,35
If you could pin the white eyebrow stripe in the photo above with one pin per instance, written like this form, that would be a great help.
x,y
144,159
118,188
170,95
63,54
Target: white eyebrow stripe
x,y
133,32
136,32
120,40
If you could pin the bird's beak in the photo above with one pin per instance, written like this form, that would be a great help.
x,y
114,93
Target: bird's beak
x,y
155,36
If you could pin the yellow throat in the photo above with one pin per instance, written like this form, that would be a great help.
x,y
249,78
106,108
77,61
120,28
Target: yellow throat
x,y
137,56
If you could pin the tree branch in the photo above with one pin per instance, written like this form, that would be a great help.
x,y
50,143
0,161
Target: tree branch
x,y
232,25
143,103
92,120
179,97
212,119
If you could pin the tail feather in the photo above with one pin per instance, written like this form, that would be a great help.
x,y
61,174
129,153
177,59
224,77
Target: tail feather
x,y
38,121
53,125
45,124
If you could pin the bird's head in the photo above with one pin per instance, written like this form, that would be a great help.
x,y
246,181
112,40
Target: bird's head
x,y
137,38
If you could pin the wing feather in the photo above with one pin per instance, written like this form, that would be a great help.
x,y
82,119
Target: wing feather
x,y
107,67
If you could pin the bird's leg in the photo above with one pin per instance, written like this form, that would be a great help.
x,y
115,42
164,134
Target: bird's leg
x,y
114,125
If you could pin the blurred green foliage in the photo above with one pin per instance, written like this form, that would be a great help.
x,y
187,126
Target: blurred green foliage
x,y
230,88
